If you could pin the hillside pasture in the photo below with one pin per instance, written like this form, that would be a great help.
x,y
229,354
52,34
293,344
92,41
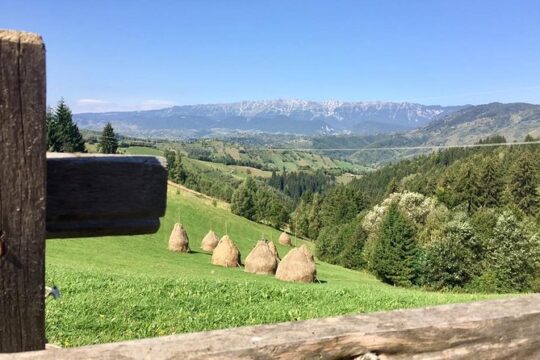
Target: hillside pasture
x,y
128,287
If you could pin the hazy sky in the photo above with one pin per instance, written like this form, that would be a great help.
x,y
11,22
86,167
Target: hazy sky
x,y
116,55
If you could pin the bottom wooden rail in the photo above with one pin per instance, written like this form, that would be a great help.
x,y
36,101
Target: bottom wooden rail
x,y
495,329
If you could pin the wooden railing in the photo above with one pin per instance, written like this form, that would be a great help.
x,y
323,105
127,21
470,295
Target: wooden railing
x,y
496,329
44,196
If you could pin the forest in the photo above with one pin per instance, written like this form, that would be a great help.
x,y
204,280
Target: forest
x,y
461,218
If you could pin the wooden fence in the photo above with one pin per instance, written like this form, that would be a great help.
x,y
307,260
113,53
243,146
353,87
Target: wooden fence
x,y
78,195
56,195
498,329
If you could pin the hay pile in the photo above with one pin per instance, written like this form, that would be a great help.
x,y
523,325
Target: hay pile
x,y
261,260
273,249
210,241
179,240
226,253
285,239
298,266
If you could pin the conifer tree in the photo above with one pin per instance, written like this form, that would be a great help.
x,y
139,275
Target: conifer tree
x,y
314,217
395,256
491,185
177,171
63,133
523,184
53,141
392,187
243,200
108,143
468,186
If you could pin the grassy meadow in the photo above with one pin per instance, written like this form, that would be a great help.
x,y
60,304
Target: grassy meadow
x,y
128,287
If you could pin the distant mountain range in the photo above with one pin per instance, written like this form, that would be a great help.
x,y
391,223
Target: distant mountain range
x,y
466,126
275,116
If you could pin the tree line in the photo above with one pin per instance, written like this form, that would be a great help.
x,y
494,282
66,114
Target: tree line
x,y
458,218
63,134
250,198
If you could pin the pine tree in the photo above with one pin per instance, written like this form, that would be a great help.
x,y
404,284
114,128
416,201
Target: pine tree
x,y
491,185
178,173
314,217
523,184
53,141
392,187
352,256
64,135
108,143
468,187
395,256
243,200
300,217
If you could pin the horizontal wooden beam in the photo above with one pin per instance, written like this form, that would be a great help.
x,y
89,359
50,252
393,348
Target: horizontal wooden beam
x,y
496,329
98,195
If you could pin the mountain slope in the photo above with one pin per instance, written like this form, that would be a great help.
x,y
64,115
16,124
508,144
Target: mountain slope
x,y
128,287
514,121
276,116
466,126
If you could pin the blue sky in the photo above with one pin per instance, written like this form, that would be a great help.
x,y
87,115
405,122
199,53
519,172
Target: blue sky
x,y
119,55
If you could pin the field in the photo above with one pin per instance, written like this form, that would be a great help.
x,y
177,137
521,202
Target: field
x,y
140,150
116,288
240,172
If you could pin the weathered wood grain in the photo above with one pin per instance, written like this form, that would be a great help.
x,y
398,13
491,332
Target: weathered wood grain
x,y
96,195
497,329
22,191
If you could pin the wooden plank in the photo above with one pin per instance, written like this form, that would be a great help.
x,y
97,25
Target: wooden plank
x,y
97,195
496,329
22,191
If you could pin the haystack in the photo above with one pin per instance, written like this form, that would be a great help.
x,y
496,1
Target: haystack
x,y
226,253
210,241
273,249
285,239
261,260
298,266
179,241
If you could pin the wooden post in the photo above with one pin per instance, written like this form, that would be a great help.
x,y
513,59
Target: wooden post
x,y
22,191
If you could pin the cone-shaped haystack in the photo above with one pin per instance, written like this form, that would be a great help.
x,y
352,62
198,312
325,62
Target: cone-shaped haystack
x,y
179,241
210,241
298,265
261,260
226,253
273,249
285,239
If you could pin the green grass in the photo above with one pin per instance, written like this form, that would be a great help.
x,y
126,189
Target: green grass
x,y
127,287
140,150
240,172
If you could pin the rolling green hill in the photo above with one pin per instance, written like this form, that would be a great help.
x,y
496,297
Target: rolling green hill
x,y
116,288
264,158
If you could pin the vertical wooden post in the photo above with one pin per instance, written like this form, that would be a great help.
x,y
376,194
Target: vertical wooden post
x,y
22,191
